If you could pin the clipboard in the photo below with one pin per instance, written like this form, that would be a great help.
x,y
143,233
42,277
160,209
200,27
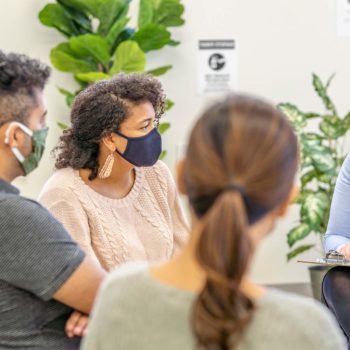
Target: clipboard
x,y
333,258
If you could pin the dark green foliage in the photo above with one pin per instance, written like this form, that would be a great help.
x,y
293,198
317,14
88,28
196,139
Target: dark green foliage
x,y
99,42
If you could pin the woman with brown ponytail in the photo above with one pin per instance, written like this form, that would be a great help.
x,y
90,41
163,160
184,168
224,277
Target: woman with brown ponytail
x,y
238,175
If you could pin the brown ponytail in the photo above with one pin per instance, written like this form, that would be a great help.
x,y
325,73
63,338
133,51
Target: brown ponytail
x,y
221,310
240,164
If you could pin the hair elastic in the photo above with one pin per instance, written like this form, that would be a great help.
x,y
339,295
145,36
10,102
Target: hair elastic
x,y
234,188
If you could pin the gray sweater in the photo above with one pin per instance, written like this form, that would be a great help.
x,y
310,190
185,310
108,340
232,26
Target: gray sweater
x,y
135,311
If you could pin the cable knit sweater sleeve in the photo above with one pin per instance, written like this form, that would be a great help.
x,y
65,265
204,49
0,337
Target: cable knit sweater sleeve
x,y
179,222
66,208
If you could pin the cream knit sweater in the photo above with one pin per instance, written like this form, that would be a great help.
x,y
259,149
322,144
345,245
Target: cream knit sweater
x,y
147,224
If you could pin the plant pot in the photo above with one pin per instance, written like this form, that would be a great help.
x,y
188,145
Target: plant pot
x,y
317,274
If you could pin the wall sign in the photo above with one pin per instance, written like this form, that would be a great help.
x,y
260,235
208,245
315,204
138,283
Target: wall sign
x,y
217,66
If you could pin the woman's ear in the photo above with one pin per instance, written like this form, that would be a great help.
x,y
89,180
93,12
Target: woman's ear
x,y
180,176
293,194
109,141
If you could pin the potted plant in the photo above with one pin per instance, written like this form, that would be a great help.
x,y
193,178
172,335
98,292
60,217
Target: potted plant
x,y
321,156
99,42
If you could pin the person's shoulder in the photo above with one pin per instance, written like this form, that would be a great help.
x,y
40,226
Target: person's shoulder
x,y
304,317
127,272
17,204
61,178
126,279
160,175
20,211
294,305
159,168
60,183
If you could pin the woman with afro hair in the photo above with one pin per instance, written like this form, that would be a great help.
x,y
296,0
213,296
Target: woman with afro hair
x,y
110,191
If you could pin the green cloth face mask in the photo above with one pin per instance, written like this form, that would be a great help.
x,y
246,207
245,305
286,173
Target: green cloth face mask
x,y
30,162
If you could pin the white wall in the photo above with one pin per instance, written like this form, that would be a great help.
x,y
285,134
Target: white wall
x,y
280,42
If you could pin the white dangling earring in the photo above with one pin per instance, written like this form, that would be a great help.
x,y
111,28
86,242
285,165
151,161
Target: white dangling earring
x,y
107,167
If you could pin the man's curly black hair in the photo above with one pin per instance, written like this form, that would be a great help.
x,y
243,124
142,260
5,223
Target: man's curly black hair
x,y
20,75
98,111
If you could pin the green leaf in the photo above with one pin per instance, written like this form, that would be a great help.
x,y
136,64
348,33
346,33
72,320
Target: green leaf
x,y
152,37
168,104
62,57
311,138
329,81
311,115
163,127
84,5
107,11
307,141
346,122
323,162
92,77
322,92
314,209
128,58
298,233
302,196
306,162
91,45
156,3
325,178
168,13
116,29
163,154
174,43
110,11
80,19
145,13
54,15
301,249
69,96
62,125
321,157
332,127
307,177
294,115
125,35
160,71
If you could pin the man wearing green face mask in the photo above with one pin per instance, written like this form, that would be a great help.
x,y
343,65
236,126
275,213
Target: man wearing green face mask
x,y
44,275
38,137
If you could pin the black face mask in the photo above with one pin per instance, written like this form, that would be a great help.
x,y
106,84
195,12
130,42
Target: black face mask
x,y
142,151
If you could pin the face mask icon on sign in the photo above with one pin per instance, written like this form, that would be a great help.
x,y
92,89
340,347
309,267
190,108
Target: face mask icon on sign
x,y
216,61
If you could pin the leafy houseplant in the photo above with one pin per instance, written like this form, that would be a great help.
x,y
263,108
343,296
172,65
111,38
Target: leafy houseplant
x,y
322,154
100,43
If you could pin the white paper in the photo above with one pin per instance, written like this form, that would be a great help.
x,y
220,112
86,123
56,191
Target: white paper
x,y
343,18
217,66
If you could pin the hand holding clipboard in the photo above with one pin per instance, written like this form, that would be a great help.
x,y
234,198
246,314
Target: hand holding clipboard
x,y
333,258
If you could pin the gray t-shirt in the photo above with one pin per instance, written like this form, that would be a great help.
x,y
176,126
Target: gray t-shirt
x,y
135,311
36,257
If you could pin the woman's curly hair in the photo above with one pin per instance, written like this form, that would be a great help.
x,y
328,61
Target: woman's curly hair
x,y
99,110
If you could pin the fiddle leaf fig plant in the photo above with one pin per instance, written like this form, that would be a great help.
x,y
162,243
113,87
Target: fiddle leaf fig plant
x,y
321,155
99,42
